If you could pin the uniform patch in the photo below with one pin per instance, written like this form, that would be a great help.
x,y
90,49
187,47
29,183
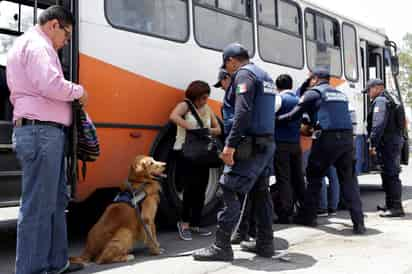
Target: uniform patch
x,y
269,87
376,109
241,88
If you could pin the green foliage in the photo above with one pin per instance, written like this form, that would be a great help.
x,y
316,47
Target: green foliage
x,y
405,62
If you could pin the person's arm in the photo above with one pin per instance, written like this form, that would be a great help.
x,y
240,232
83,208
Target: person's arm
x,y
379,121
215,130
45,76
245,93
177,115
308,103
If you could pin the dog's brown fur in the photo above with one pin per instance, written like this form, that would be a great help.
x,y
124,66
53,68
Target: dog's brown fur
x,y
114,235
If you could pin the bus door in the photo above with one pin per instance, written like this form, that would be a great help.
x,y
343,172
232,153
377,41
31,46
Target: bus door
x,y
16,17
372,67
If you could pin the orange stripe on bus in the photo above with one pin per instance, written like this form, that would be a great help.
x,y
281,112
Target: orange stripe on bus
x,y
120,96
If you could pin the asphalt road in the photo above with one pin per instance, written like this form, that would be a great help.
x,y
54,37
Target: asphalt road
x,y
329,248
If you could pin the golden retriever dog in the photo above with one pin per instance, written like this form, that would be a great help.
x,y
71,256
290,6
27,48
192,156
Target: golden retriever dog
x,y
112,238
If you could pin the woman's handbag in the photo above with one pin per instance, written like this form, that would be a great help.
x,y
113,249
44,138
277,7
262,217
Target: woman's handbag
x,y
200,147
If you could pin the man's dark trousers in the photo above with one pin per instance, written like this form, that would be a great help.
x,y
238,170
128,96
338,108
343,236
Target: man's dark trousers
x,y
332,148
390,151
290,183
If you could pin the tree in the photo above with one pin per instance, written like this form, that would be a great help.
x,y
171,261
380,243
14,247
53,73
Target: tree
x,y
405,64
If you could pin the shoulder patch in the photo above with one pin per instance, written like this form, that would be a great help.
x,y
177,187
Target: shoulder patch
x,y
241,88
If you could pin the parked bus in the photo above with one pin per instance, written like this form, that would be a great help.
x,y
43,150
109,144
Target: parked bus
x,y
135,58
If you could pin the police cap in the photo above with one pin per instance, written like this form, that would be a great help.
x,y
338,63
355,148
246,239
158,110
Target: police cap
x,y
233,50
372,83
221,76
321,72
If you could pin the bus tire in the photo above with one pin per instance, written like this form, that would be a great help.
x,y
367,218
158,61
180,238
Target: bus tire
x,y
171,196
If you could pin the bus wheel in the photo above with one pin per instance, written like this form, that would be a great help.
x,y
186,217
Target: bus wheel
x,y
172,192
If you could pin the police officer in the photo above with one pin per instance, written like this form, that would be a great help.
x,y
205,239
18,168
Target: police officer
x,y
332,145
248,155
290,183
385,133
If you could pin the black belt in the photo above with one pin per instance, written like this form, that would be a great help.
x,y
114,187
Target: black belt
x,y
27,122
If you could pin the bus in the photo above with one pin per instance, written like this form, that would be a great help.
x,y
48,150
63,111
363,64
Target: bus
x,y
135,58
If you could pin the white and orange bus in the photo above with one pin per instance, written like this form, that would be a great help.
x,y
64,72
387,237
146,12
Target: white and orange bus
x,y
136,58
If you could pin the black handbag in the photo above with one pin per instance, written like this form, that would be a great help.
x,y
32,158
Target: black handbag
x,y
200,147
405,151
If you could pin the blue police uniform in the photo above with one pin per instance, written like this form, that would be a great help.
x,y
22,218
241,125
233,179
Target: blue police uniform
x,y
386,136
252,112
290,183
334,146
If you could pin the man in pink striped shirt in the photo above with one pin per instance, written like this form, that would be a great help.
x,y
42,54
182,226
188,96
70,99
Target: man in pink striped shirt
x,y
42,113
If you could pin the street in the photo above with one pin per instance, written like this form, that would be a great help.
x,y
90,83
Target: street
x,y
329,248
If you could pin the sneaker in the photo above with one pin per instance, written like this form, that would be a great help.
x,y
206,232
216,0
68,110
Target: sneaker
x,y
69,267
332,212
214,253
184,233
200,231
322,212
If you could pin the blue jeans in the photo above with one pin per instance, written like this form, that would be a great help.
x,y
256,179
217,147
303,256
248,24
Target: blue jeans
x,y
41,227
329,196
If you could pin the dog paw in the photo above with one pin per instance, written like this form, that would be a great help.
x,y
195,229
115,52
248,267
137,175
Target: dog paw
x,y
130,257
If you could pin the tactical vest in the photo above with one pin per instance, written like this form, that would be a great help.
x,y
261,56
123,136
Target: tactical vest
x,y
396,117
333,113
263,118
288,132
228,110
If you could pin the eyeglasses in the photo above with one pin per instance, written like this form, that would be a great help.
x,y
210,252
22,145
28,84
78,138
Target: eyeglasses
x,y
67,33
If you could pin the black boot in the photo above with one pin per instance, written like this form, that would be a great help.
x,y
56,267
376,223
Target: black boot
x,y
220,251
266,250
359,228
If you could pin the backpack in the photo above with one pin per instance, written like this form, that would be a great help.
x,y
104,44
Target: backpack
x,y
400,120
88,148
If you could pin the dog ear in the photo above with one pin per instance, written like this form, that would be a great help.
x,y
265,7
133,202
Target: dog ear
x,y
135,169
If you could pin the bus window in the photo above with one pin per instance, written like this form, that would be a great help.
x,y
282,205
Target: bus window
x,y
350,55
14,20
223,22
323,42
389,77
162,18
280,41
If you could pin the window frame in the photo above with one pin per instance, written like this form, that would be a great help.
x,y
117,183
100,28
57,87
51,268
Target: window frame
x,y
276,28
316,14
356,50
225,12
149,33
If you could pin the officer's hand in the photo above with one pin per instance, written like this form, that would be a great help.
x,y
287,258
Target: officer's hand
x,y
372,151
85,97
227,156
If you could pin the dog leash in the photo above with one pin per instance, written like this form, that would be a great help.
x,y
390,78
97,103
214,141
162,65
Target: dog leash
x,y
137,198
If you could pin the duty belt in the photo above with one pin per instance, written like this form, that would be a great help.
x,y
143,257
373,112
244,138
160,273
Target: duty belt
x,y
27,122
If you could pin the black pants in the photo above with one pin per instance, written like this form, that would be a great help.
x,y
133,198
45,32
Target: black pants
x,y
390,155
290,182
332,148
193,179
247,226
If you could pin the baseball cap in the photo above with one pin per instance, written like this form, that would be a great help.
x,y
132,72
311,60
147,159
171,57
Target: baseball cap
x,y
373,82
321,72
232,50
220,76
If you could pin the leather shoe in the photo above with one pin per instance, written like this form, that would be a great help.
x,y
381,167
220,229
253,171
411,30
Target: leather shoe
x,y
393,213
267,251
359,229
304,221
381,207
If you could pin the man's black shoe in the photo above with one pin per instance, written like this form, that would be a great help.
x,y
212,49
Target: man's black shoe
x,y
238,238
68,268
304,221
359,229
393,213
250,246
214,253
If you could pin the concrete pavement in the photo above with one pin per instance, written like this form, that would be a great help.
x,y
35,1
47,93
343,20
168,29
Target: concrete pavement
x,y
329,248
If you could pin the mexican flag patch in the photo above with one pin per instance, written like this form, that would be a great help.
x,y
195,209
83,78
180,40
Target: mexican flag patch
x,y
241,88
